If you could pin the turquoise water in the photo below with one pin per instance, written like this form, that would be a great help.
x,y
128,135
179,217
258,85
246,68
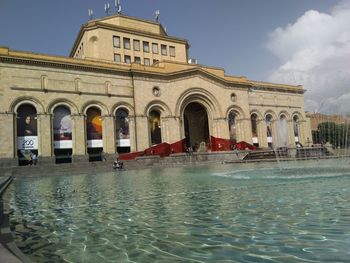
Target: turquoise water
x,y
222,213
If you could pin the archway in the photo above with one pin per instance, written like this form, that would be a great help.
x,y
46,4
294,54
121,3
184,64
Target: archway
x,y
268,120
122,130
155,128
27,134
196,125
62,133
254,124
282,132
232,117
94,134
296,128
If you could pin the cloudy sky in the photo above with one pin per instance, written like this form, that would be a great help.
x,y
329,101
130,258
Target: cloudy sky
x,y
304,42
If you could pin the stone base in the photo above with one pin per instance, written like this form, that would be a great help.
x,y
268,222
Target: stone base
x,y
80,158
8,162
46,160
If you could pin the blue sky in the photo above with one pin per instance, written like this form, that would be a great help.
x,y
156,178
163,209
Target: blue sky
x,y
249,38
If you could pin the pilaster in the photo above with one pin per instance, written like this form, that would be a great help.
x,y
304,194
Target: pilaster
x,y
142,135
108,134
44,134
78,134
132,132
7,133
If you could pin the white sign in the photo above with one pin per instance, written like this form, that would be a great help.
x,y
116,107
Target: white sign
x,y
123,143
296,139
95,143
255,140
63,144
269,139
27,143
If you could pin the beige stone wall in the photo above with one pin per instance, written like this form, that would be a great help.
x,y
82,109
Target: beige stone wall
x,y
97,43
46,87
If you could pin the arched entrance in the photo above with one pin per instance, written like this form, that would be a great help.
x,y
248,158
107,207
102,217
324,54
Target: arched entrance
x,y
196,125
122,130
62,134
94,134
27,134
155,128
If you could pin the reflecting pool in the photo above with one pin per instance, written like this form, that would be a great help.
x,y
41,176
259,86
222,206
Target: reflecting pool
x,y
216,213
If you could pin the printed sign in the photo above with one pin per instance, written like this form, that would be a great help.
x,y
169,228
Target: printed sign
x,y
95,143
62,128
64,144
27,143
123,143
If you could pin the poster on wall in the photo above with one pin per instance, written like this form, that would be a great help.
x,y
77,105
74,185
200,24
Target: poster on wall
x,y
122,128
62,128
94,128
123,137
27,132
27,143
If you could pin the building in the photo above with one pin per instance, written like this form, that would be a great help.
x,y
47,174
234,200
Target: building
x,y
127,85
318,118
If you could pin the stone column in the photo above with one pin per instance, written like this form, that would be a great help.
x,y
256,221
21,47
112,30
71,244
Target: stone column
x,y
262,138
8,139
221,130
45,141
142,135
132,132
164,129
108,134
274,132
291,139
79,138
173,129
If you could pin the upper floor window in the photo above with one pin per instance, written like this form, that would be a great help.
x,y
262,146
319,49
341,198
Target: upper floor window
x,y
127,59
137,60
155,48
136,45
164,50
146,61
172,51
126,43
116,41
145,46
117,57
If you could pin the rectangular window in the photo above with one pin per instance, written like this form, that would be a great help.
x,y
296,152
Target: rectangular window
x,y
145,46
172,51
146,61
127,59
155,48
137,60
116,41
137,45
126,43
117,57
164,50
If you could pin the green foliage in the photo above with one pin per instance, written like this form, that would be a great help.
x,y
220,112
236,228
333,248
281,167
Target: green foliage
x,y
336,134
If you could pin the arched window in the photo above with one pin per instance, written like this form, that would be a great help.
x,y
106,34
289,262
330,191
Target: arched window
x,y
232,125
27,133
155,128
254,124
296,128
268,121
122,130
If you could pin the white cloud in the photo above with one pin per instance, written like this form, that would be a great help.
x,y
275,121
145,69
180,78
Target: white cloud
x,y
315,52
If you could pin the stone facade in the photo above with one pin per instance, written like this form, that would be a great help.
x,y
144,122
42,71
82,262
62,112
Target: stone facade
x,y
167,87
